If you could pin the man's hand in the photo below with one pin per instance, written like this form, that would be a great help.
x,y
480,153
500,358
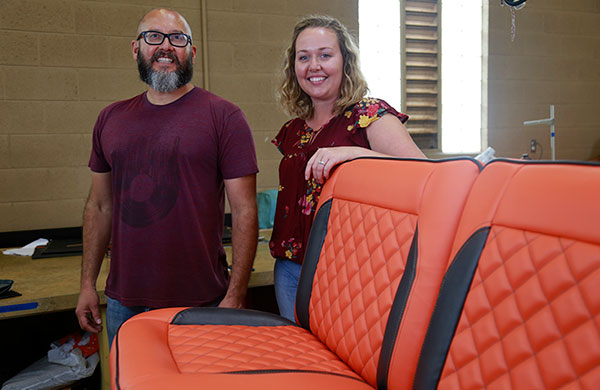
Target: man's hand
x,y
232,302
88,311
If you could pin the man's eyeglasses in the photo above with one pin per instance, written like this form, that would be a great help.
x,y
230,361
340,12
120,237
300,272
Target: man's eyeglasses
x,y
157,38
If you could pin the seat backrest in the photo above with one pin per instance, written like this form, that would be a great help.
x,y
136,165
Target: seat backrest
x,y
383,228
519,306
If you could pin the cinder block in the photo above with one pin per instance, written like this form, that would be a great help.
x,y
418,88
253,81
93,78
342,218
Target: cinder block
x,y
107,19
582,153
588,71
198,78
577,47
509,142
265,149
241,89
264,117
74,50
499,18
550,5
21,117
119,49
577,116
346,12
504,67
519,91
562,22
109,84
220,57
45,214
69,183
563,69
277,29
501,43
19,48
4,156
7,222
261,6
512,114
71,117
579,92
233,27
268,176
37,15
590,23
253,57
27,83
194,18
22,185
538,44
219,5
47,151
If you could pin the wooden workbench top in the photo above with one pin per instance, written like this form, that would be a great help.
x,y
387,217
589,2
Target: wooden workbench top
x,y
52,284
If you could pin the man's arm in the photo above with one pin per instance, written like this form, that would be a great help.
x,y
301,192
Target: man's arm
x,y
97,217
241,193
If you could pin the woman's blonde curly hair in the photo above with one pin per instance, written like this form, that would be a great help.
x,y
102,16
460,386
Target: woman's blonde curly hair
x,y
354,86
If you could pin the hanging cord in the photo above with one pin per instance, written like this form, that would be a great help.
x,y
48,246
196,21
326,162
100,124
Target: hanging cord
x,y
514,5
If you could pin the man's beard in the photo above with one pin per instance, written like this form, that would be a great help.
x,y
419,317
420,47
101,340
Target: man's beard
x,y
165,81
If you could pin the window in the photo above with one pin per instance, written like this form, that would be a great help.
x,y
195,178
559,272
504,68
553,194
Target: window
x,y
427,61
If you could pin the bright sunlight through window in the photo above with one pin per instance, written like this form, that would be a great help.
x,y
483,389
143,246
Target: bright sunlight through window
x,y
379,36
461,76
461,65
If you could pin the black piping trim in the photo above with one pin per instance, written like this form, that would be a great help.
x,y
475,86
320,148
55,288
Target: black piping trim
x,y
316,238
289,371
448,308
544,162
228,316
115,344
396,314
441,160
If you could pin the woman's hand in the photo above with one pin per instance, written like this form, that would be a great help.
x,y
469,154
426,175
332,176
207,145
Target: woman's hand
x,y
320,164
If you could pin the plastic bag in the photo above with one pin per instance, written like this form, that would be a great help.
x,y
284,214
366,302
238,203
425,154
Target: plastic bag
x,y
69,359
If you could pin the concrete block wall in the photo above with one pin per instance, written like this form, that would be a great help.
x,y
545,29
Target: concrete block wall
x,y
64,60
554,59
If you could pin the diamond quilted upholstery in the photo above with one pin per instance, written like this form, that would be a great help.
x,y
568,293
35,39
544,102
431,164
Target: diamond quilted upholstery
x,y
531,318
214,348
365,321
361,265
532,306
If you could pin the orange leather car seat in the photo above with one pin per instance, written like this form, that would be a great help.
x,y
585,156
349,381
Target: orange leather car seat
x,y
383,230
519,306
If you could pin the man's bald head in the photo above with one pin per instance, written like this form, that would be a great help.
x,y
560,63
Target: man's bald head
x,y
159,15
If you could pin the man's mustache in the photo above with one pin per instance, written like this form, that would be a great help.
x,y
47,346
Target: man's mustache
x,y
161,53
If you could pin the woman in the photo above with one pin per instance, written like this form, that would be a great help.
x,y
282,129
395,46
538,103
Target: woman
x,y
324,89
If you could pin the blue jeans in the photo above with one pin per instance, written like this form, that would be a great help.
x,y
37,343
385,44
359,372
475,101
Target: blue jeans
x,y
286,275
116,314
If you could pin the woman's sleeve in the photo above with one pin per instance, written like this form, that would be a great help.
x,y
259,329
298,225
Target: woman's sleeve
x,y
367,111
280,137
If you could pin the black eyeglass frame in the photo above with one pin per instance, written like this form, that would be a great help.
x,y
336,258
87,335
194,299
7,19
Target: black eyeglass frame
x,y
164,35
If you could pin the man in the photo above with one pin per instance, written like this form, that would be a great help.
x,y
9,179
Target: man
x,y
161,164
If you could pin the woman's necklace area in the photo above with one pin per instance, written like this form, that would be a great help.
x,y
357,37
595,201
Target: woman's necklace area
x,y
314,132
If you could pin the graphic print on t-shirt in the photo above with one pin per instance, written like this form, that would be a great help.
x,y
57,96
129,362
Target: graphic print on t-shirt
x,y
150,180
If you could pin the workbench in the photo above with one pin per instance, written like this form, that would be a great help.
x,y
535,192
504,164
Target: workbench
x,y
52,284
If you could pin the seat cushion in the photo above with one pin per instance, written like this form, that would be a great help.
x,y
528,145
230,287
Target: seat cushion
x,y
157,345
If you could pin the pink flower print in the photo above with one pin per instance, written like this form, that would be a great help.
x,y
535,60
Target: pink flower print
x,y
372,110
306,204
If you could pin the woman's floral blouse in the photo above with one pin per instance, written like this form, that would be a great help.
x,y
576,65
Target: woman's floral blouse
x,y
297,198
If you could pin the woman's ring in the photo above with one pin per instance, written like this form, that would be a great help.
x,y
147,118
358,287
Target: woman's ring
x,y
322,162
